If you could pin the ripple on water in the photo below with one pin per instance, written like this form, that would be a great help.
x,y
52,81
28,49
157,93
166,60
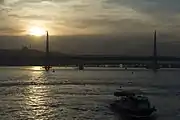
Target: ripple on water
x,y
67,95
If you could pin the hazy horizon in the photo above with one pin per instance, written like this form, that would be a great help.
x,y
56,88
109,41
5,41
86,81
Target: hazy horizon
x,y
117,45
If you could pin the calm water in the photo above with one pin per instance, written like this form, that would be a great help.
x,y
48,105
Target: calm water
x,y
68,94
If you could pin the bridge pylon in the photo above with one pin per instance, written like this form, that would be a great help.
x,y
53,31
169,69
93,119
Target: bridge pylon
x,y
47,65
155,63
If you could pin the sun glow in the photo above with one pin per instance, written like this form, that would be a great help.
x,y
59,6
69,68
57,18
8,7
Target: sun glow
x,y
37,31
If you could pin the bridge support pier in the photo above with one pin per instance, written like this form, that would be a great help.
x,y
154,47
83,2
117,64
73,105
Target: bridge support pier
x,y
81,67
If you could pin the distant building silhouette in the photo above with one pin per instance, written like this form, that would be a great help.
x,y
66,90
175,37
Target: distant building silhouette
x,y
24,48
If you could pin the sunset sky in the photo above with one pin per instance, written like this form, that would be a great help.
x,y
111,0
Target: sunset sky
x,y
91,17
72,17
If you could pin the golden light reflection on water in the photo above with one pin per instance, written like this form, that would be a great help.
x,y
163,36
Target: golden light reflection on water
x,y
36,101
36,98
36,68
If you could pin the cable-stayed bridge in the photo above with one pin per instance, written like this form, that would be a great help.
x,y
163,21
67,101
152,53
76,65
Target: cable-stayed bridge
x,y
49,59
152,61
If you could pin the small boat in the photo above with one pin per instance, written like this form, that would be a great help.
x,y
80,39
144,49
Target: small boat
x,y
133,107
47,68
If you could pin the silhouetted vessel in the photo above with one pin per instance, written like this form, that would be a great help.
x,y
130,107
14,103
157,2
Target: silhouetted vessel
x,y
47,68
133,107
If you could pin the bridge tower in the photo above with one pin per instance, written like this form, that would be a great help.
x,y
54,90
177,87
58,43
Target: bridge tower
x,y
155,65
47,66
47,43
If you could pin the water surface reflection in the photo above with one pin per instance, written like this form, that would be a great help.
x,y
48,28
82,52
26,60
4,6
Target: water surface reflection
x,y
82,95
37,98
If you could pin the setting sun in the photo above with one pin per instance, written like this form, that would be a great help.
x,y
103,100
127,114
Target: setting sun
x,y
36,31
